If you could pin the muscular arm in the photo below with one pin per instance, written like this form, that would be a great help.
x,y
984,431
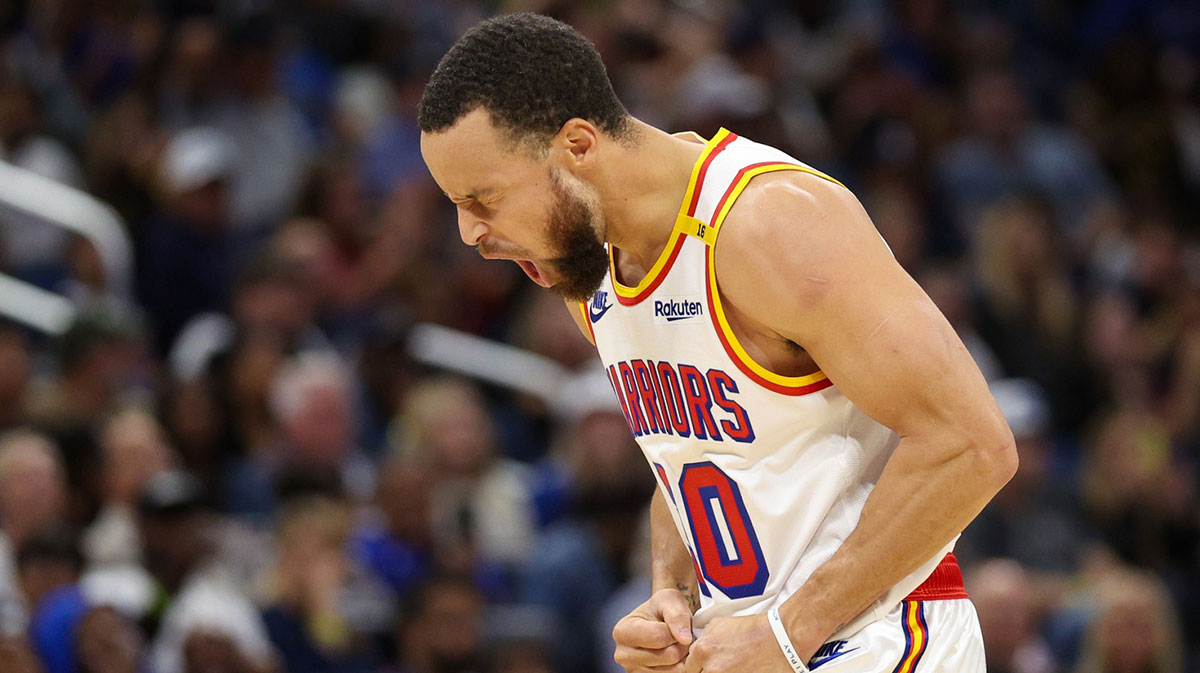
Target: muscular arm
x,y
799,255
671,564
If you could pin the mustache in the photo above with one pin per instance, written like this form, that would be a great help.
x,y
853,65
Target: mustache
x,y
488,248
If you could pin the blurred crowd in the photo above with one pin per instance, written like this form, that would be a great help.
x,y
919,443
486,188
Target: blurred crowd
x,y
238,466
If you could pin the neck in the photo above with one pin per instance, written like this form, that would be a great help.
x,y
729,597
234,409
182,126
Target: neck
x,y
641,190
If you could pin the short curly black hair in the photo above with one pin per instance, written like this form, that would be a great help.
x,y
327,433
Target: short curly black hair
x,y
530,72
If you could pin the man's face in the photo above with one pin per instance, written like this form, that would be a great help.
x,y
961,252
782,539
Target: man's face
x,y
512,205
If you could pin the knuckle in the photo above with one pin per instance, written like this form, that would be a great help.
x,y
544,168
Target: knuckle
x,y
676,653
625,629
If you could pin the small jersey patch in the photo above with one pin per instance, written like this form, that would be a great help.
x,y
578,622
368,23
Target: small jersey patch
x,y
599,306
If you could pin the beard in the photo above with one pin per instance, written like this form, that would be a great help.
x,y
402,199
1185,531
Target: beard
x,y
582,259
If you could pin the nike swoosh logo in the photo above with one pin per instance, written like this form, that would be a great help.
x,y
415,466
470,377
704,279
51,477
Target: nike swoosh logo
x,y
681,317
812,665
595,315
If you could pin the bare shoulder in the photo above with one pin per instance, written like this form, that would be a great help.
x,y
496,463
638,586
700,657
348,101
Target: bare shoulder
x,y
798,254
790,240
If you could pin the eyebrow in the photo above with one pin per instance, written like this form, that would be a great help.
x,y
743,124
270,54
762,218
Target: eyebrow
x,y
474,194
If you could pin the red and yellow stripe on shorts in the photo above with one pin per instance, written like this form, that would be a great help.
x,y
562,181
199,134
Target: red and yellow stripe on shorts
x,y
916,636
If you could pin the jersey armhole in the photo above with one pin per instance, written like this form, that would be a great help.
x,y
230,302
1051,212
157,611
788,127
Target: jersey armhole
x,y
785,385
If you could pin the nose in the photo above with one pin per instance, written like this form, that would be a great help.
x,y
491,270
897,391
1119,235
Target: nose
x,y
470,228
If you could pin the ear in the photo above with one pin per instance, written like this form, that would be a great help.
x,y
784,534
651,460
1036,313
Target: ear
x,y
575,145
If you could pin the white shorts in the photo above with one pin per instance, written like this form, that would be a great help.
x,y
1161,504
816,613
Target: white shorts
x,y
939,636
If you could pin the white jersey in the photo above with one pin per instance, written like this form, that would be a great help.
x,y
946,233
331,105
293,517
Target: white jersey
x,y
765,474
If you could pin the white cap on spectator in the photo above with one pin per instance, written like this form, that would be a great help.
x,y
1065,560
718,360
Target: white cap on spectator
x,y
196,157
364,96
209,606
127,588
1023,404
304,372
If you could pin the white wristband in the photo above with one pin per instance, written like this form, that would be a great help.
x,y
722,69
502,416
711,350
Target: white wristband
x,y
785,643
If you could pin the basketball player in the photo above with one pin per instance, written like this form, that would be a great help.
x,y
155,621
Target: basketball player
x,y
819,433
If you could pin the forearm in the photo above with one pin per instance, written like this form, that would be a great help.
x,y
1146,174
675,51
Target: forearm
x,y
919,504
671,564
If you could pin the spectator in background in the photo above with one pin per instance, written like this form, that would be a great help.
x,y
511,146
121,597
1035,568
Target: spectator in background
x,y
188,255
53,627
17,657
133,449
96,371
353,250
33,497
196,418
391,153
361,100
441,628
47,562
1141,496
333,196
1026,307
205,620
481,501
255,114
342,244
1134,629
385,371
1007,153
306,616
189,87
106,642
272,297
1008,610
121,158
397,544
243,378
311,400
224,365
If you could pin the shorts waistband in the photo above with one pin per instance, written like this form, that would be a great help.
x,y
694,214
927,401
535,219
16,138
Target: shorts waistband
x,y
945,583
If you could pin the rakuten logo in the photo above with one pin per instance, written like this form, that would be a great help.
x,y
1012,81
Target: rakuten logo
x,y
673,310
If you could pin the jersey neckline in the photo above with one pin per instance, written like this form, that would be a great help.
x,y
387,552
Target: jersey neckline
x,y
630,296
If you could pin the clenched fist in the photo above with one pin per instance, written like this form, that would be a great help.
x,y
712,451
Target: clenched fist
x,y
737,645
655,637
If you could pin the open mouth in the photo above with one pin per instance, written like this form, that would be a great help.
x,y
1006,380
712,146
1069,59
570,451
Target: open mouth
x,y
532,271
